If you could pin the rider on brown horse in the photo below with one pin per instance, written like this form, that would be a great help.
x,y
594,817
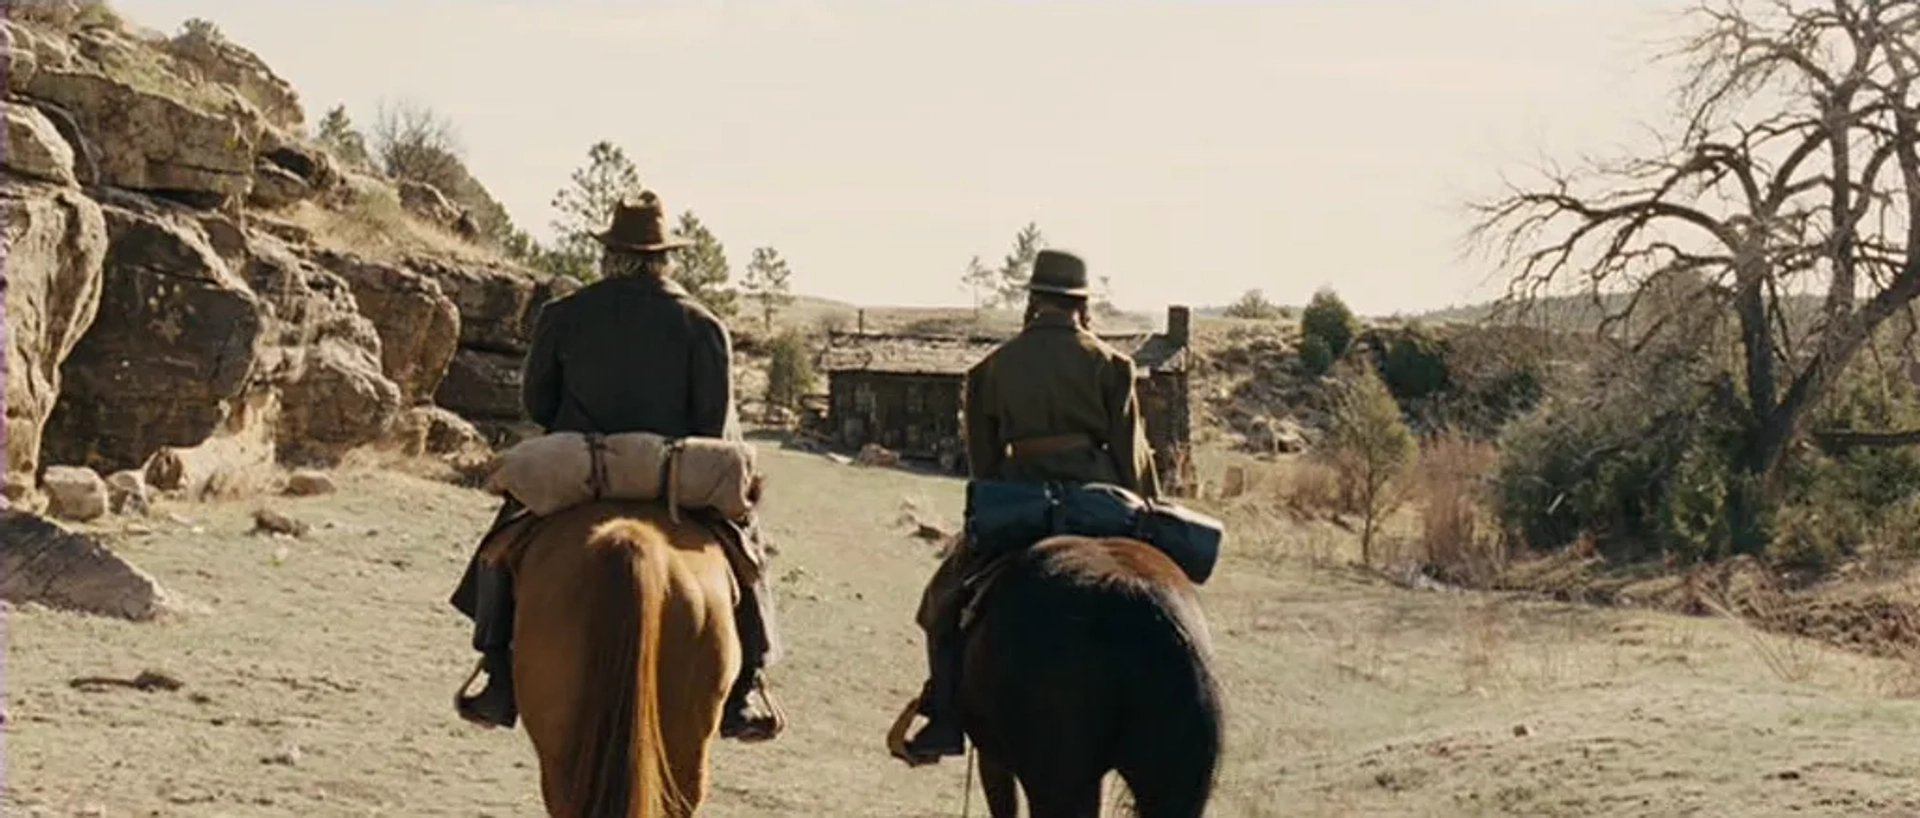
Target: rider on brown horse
x,y
1053,403
632,352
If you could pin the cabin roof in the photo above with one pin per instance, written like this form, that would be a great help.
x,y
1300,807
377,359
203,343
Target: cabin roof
x,y
897,354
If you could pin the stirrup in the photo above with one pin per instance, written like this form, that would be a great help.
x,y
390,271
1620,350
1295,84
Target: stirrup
x,y
897,734
897,737
770,722
463,701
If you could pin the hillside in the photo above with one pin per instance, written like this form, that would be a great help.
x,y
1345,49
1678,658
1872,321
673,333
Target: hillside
x,y
193,278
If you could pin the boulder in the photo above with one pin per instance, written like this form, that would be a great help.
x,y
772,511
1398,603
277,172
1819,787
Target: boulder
x,y
56,246
431,430
128,493
19,59
185,338
75,493
158,144
35,147
483,386
166,470
428,203
175,340
45,563
309,483
419,326
497,305
497,302
276,187
321,354
291,171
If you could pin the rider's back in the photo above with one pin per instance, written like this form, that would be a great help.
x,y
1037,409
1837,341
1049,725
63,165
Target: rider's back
x,y
631,355
1051,380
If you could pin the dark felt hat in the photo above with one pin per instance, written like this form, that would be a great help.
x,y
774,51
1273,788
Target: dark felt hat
x,y
640,224
1059,272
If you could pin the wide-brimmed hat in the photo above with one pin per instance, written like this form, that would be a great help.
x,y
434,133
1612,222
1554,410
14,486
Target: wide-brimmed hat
x,y
1059,272
640,224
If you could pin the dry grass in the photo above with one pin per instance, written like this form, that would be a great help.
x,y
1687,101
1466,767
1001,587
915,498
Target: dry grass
x,y
370,221
1458,536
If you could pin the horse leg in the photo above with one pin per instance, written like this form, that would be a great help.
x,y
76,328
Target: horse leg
x,y
1055,799
698,691
999,786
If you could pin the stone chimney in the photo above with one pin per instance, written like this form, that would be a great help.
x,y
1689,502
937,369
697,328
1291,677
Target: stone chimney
x,y
1179,325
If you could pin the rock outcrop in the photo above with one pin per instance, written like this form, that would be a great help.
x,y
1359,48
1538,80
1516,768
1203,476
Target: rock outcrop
x,y
419,326
170,290
497,307
56,245
145,141
182,336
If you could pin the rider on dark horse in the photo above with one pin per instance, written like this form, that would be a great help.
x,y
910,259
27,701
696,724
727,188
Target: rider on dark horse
x,y
632,352
1054,403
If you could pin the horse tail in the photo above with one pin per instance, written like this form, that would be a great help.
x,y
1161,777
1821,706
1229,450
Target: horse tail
x,y
622,606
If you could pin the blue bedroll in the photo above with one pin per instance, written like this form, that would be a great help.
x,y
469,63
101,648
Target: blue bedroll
x,y
1007,515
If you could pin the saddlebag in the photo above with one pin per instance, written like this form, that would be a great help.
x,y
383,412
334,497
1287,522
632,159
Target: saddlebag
x,y
1006,515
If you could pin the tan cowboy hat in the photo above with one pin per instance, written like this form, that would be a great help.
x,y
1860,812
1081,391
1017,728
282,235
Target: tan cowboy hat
x,y
640,224
1059,272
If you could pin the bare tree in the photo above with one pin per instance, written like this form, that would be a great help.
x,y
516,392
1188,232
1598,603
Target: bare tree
x,y
1794,179
412,141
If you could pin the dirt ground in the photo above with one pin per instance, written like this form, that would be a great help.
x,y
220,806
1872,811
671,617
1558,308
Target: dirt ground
x,y
318,676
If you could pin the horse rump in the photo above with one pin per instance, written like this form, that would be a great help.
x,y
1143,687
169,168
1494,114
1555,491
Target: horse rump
x,y
1092,656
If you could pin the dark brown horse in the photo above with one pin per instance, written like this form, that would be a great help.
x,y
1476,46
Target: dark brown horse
x,y
1089,656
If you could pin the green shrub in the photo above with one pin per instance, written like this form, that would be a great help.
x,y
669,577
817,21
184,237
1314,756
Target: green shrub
x,y
790,372
1327,318
1315,355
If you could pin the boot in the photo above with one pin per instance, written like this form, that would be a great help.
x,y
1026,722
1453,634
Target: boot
x,y
494,705
739,718
940,703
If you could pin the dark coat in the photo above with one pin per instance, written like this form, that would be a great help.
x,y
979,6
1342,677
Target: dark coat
x,y
631,355
1056,378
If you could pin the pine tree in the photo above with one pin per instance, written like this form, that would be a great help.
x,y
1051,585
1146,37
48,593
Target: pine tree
x,y
586,205
702,267
768,281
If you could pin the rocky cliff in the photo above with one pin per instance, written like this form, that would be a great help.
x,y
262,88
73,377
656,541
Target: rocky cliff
x,y
187,270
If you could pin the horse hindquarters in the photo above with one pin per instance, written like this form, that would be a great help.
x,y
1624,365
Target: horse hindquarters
x,y
1170,749
591,621
1037,702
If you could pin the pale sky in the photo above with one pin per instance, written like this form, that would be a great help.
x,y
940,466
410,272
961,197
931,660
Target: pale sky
x,y
1191,151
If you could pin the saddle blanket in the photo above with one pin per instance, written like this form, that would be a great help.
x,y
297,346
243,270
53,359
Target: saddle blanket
x,y
1005,515
563,469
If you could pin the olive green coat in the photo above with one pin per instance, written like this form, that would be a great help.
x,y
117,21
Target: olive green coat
x,y
1056,378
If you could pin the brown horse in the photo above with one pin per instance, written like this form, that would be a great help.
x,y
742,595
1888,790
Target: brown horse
x,y
624,649
1091,656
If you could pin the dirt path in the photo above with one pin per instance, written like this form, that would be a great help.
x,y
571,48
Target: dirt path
x,y
318,683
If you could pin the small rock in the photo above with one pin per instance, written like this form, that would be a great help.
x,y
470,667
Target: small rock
x,y
273,522
127,493
287,756
876,455
930,533
165,470
1522,731
309,483
75,493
